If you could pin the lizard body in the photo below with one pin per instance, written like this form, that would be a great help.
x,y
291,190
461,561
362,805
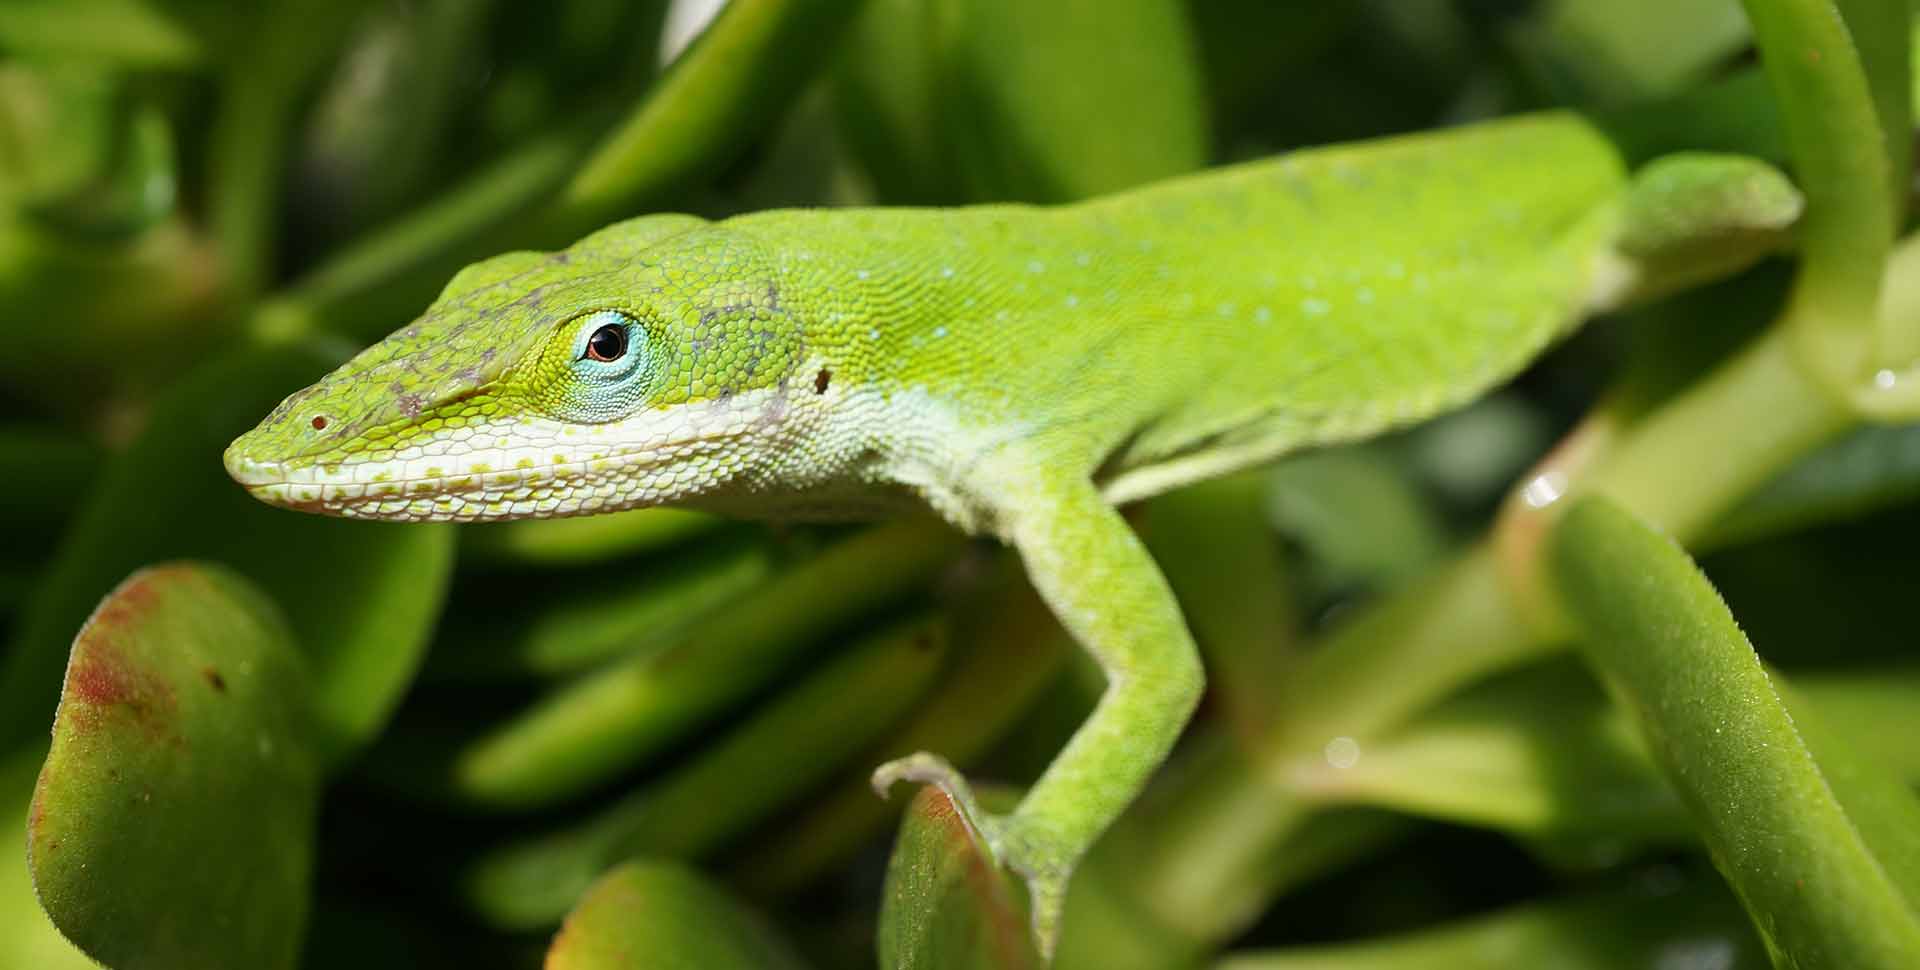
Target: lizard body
x,y
1019,369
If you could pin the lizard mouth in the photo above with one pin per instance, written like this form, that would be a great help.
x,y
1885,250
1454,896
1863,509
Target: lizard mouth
x,y
532,467
471,488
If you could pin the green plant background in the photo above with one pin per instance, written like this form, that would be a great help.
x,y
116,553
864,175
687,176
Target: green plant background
x,y
1666,719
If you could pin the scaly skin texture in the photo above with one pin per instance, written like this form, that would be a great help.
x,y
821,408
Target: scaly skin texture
x,y
1018,369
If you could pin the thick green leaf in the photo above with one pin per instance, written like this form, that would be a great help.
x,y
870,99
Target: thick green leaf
x,y
617,717
380,122
1823,848
1838,72
27,937
1670,922
566,621
1882,33
1009,649
361,597
665,915
1623,50
947,905
783,750
724,90
1872,468
582,541
714,101
1540,754
942,97
173,822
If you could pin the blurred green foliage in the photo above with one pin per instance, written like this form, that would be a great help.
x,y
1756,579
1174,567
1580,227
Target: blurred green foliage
x,y
290,741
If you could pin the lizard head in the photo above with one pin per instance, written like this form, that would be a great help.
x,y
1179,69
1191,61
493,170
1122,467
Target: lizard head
x,y
601,377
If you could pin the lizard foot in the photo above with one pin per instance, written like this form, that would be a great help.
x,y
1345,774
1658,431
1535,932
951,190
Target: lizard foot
x,y
1012,840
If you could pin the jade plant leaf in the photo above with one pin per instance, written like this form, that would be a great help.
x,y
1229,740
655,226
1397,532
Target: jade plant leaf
x,y
583,541
666,915
1871,468
1539,753
1007,649
1670,919
174,819
610,720
1821,844
27,937
948,906
565,622
361,597
940,106
746,776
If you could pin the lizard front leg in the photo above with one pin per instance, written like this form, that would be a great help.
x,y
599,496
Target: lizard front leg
x,y
1099,580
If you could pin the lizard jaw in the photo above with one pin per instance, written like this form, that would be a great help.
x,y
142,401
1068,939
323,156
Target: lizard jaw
x,y
531,468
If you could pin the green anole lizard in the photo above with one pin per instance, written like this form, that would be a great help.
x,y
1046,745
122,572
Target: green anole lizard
x,y
1021,370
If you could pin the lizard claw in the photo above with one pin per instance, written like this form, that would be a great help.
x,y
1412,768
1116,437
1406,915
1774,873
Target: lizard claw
x,y
1008,842
931,769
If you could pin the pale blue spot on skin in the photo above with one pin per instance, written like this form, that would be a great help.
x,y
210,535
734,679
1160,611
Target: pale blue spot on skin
x,y
1308,283
1072,300
1226,309
1083,259
1035,266
1365,295
1262,314
863,274
939,331
947,272
1395,270
1314,306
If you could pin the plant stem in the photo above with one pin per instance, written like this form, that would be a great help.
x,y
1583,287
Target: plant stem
x,y
1712,433
1852,172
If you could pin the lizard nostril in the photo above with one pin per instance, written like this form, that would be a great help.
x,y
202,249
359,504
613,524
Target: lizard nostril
x,y
319,422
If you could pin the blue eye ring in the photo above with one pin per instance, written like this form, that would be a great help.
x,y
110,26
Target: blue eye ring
x,y
609,344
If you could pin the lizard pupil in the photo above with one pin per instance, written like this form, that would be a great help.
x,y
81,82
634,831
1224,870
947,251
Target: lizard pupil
x,y
608,344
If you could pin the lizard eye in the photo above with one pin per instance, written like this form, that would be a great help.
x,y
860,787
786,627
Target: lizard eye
x,y
607,344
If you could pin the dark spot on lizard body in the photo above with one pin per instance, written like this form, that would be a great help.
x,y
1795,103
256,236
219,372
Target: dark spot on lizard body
x,y
821,380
